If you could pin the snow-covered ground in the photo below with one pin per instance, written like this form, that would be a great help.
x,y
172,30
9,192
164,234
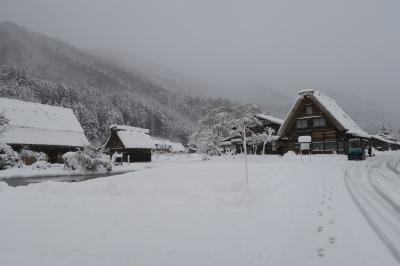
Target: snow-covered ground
x,y
185,211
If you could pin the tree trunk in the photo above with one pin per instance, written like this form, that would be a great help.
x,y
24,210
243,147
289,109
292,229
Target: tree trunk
x,y
264,147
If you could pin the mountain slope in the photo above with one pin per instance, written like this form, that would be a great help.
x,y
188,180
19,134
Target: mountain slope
x,y
38,68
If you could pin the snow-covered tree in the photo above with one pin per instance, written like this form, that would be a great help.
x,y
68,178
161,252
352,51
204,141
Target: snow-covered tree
x,y
244,119
8,157
266,137
203,139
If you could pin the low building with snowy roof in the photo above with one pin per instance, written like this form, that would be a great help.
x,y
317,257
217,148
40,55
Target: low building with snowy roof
x,y
134,143
165,145
269,121
317,115
256,132
42,128
383,143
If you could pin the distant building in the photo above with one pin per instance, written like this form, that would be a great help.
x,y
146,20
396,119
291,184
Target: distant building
x,y
41,128
234,143
315,114
134,143
166,146
383,143
268,121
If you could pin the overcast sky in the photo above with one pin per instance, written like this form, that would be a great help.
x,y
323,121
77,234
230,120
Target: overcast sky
x,y
236,46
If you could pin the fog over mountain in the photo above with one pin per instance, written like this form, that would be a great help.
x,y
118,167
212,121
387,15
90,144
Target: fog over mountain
x,y
260,51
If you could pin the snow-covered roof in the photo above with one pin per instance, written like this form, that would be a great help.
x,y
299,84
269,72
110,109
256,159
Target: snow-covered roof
x,y
35,123
174,146
134,137
383,139
270,118
177,147
328,105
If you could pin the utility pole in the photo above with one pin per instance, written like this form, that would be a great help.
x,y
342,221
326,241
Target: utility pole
x,y
245,153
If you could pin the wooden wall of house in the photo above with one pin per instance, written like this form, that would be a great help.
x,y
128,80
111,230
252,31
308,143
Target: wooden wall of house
x,y
54,153
133,155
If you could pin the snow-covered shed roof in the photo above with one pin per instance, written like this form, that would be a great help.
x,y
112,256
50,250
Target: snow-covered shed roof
x,y
177,147
270,118
332,109
40,124
174,146
383,139
133,137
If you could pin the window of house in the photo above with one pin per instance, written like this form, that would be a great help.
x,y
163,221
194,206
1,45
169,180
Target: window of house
x,y
319,122
330,145
309,110
317,146
302,123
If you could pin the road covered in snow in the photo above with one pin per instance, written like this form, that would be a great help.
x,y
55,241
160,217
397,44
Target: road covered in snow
x,y
185,211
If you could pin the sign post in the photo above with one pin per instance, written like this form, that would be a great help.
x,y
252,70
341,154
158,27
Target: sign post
x,y
305,144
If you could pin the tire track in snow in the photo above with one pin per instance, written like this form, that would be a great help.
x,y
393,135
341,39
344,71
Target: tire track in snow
x,y
372,210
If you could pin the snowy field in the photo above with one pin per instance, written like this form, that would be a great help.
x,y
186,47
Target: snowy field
x,y
184,211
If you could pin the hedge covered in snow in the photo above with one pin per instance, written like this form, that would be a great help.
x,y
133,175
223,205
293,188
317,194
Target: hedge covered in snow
x,y
88,159
8,157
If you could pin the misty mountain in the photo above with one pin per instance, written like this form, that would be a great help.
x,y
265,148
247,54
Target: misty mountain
x,y
37,68
369,114
170,95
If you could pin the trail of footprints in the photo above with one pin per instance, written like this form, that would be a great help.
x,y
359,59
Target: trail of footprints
x,y
326,229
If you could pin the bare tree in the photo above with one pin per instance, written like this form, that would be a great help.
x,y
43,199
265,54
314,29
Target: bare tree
x,y
245,118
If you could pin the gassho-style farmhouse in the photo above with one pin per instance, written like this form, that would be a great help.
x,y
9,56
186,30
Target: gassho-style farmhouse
x,y
55,130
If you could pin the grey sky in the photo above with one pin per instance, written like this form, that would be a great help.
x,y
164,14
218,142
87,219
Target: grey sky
x,y
233,46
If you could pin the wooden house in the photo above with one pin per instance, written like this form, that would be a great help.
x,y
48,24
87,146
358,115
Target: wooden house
x,y
41,128
134,143
315,114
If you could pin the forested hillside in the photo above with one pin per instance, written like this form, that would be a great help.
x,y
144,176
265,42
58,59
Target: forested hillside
x,y
36,68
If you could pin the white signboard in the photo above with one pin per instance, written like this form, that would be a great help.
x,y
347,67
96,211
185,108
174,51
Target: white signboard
x,y
304,146
304,142
304,139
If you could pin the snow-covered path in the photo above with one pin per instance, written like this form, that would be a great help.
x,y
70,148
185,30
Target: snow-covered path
x,y
191,212
375,188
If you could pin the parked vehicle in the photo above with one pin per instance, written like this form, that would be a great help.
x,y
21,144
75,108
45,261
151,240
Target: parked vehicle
x,y
356,149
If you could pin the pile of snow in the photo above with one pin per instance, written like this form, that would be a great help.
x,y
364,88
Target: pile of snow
x,y
41,165
289,154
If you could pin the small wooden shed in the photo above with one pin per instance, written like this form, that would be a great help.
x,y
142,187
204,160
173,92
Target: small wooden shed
x,y
134,143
